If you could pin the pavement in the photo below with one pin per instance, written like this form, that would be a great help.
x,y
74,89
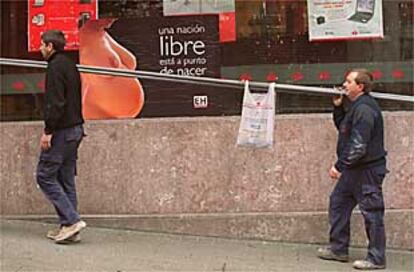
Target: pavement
x,y
24,247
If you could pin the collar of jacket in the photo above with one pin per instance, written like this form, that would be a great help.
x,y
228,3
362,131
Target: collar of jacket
x,y
361,98
53,56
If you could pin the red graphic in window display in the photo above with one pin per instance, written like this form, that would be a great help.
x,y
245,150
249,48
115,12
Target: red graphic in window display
x,y
398,74
227,26
272,77
41,85
105,96
377,74
297,76
245,76
324,75
18,86
58,14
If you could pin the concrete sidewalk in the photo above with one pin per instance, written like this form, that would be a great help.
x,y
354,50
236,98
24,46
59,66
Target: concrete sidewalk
x,y
25,248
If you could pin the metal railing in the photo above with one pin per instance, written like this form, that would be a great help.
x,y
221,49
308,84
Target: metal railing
x,y
228,83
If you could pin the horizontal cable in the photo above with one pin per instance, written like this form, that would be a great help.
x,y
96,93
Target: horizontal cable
x,y
229,83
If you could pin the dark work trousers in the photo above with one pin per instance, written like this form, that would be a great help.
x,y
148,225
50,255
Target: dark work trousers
x,y
362,187
56,172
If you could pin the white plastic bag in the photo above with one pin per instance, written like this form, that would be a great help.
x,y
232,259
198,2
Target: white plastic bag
x,y
257,118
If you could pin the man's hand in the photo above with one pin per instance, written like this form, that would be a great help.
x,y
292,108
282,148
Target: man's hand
x,y
337,100
334,173
45,141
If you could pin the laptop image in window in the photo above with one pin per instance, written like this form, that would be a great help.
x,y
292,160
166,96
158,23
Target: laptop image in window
x,y
364,11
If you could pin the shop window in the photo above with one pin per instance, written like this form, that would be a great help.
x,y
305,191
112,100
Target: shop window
x,y
271,43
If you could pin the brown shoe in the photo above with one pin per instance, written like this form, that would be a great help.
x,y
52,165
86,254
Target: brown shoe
x,y
68,231
74,239
52,234
326,253
367,265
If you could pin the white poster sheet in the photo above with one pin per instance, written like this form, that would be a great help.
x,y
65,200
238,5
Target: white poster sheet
x,y
345,19
191,7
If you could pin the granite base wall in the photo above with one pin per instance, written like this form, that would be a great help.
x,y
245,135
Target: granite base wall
x,y
169,168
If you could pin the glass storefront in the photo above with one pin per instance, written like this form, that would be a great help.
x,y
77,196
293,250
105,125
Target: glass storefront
x,y
271,44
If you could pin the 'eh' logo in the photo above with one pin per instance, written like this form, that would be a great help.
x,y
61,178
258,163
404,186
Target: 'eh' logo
x,y
200,101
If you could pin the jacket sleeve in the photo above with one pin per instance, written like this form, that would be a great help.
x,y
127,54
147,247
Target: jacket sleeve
x,y
54,99
356,147
338,115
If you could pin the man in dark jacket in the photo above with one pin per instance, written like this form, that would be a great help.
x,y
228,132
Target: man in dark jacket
x,y
61,137
359,171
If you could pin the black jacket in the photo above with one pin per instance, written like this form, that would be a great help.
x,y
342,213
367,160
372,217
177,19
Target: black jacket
x,y
63,102
361,134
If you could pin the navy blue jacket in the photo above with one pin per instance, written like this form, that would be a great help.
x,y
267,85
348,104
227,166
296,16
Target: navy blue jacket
x,y
361,134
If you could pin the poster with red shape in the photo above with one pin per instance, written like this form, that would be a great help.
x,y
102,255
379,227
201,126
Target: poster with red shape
x,y
58,14
227,26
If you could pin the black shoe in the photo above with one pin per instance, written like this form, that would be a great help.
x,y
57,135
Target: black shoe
x,y
326,253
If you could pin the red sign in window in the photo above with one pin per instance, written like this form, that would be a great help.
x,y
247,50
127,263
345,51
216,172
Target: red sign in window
x,y
63,15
